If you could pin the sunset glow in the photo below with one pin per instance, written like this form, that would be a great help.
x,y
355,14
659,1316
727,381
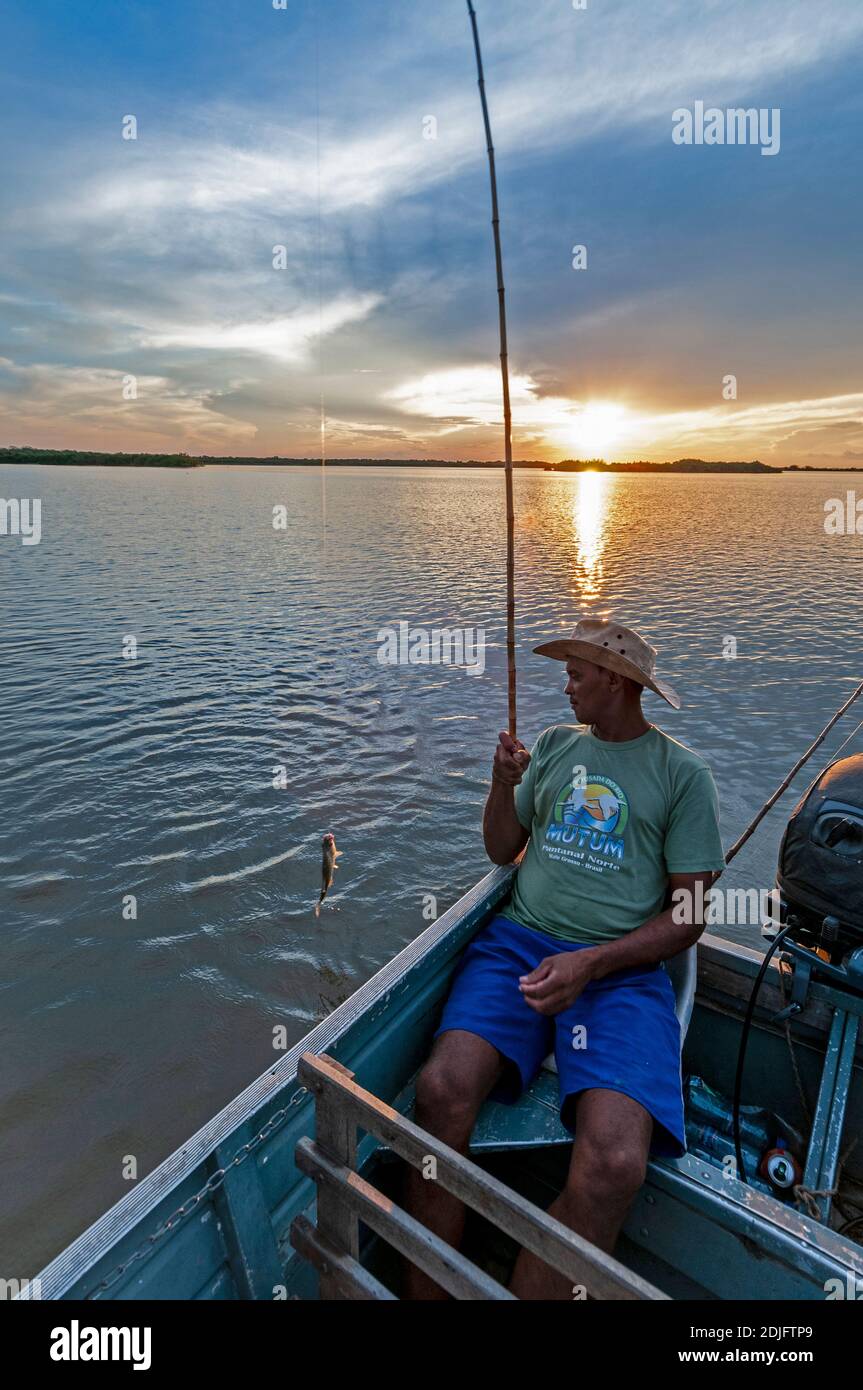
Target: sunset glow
x,y
597,430
244,257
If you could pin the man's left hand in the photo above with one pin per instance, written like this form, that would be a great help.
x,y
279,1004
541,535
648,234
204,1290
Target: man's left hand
x,y
557,981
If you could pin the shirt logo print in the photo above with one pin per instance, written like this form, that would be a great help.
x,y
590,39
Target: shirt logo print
x,y
591,815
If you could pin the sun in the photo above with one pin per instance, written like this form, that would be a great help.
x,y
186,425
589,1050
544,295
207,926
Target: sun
x,y
596,429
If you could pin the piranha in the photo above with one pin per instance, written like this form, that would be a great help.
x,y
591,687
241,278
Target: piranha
x,y
328,867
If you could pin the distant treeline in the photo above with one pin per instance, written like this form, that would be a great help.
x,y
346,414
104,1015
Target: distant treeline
x,y
24,454
14,454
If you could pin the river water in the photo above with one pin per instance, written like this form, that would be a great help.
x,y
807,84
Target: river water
x,y
166,649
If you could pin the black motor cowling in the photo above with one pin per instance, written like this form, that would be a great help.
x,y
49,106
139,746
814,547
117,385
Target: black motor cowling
x,y
821,859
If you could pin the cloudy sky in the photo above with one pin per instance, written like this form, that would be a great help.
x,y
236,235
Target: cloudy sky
x,y
147,264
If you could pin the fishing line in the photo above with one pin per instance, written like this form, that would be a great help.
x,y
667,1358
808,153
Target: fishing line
x,y
846,741
786,781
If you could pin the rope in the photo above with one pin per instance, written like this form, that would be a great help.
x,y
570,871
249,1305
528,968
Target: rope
x,y
805,1196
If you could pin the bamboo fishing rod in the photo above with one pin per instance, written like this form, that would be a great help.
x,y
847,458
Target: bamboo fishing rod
x,y
786,782
504,369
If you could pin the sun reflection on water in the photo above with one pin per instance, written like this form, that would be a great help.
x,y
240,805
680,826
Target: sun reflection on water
x,y
590,506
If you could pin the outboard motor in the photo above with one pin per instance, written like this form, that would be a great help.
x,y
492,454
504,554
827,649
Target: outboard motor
x,y
820,875
817,921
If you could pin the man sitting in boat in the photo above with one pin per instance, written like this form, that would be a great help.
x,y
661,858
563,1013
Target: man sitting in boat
x,y
616,816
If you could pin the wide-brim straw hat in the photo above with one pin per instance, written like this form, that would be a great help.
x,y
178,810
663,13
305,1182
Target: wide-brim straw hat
x,y
607,643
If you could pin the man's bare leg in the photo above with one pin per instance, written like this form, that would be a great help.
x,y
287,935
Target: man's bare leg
x,y
451,1087
608,1166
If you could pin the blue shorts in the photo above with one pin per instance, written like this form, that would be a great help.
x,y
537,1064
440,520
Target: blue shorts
x,y
621,1034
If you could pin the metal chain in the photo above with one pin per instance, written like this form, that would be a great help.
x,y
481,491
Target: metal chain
x,y
213,1183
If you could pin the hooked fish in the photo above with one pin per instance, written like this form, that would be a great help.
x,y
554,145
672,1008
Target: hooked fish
x,y
328,867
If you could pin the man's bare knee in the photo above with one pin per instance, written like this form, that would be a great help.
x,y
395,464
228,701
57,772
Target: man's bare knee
x,y
612,1144
454,1083
611,1169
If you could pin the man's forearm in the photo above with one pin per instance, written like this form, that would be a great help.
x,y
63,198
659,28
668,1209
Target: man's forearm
x,y
656,940
667,934
503,834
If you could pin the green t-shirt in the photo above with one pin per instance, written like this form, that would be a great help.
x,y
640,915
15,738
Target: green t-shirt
x,y
608,823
